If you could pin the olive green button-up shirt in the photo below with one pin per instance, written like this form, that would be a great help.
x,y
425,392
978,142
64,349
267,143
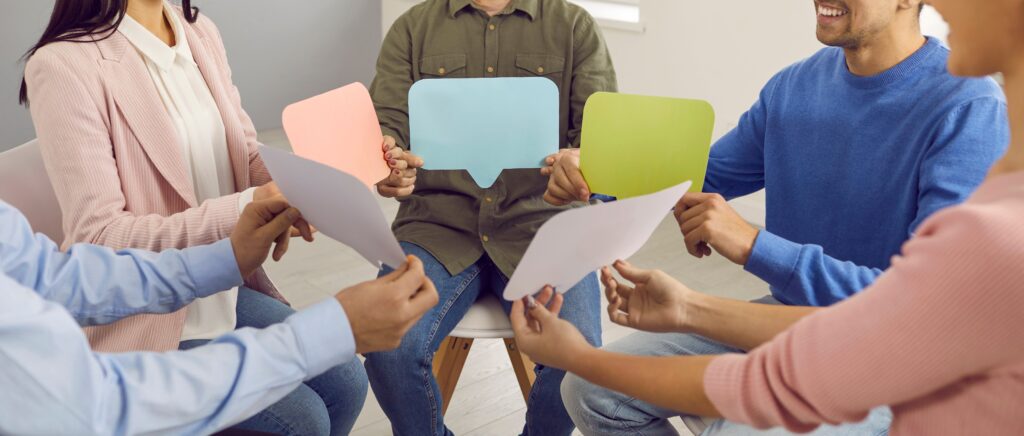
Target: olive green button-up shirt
x,y
448,214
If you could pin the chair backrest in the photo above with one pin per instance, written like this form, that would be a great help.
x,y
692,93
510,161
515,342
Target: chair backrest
x,y
25,185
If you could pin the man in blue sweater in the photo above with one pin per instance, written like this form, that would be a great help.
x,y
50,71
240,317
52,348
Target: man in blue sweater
x,y
855,146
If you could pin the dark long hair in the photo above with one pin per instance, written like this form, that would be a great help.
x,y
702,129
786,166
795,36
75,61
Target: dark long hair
x,y
74,19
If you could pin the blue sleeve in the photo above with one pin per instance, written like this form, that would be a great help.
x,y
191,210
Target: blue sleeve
x,y
53,383
736,162
964,148
99,286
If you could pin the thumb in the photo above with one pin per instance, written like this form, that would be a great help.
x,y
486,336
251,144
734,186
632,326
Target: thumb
x,y
692,199
541,314
631,273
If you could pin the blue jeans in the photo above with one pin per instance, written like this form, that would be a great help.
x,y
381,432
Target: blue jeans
x,y
403,379
324,405
599,411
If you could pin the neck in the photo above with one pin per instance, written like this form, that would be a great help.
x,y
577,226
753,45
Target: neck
x,y
150,14
492,7
884,51
1014,159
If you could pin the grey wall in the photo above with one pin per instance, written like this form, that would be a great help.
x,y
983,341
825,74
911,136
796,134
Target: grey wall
x,y
280,52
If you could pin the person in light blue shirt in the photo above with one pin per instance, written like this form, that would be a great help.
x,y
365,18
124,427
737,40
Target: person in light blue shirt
x,y
54,384
855,147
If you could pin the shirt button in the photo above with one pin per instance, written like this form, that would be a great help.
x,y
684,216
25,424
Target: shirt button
x,y
540,70
489,199
441,70
492,27
485,238
490,69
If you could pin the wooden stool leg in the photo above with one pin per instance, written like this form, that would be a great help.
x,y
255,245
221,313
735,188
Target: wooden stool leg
x,y
523,367
448,363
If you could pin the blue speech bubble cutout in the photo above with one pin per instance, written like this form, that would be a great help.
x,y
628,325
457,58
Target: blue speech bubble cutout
x,y
483,126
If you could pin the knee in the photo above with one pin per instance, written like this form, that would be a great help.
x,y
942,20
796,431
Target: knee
x,y
302,412
584,402
411,355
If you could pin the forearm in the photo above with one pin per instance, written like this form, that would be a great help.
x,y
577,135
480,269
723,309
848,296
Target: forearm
x,y
675,382
741,324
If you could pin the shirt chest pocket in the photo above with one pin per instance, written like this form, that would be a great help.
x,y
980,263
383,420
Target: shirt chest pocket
x,y
450,65
530,65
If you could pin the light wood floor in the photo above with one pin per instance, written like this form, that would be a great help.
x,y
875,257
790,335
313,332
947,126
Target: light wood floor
x,y
487,400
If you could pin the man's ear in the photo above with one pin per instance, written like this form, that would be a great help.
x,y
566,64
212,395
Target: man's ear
x,y
915,5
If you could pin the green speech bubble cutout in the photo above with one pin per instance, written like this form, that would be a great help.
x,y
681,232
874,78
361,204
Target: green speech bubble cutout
x,y
635,145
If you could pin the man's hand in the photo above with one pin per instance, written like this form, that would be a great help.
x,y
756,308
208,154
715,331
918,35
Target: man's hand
x,y
657,303
383,310
566,183
707,221
544,337
269,191
402,180
261,224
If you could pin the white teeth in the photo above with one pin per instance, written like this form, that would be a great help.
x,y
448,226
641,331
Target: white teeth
x,y
830,12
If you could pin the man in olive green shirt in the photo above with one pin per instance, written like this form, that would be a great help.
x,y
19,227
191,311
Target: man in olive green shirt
x,y
471,239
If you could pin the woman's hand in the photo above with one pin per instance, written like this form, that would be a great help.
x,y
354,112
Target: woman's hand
x,y
402,180
544,337
657,302
270,191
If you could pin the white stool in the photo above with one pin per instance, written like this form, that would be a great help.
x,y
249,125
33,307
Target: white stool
x,y
486,319
25,185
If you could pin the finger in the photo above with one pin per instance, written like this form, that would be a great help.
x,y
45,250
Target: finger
x,y
694,211
411,280
281,247
269,208
631,273
551,159
546,171
576,180
391,191
692,199
281,224
425,298
693,240
557,195
520,325
614,308
541,314
619,317
679,208
413,160
689,225
398,164
305,229
545,295
396,273
556,303
561,180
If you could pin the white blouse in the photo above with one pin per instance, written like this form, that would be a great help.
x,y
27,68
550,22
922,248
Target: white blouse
x,y
195,115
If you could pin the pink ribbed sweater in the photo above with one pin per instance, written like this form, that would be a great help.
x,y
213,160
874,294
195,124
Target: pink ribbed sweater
x,y
939,337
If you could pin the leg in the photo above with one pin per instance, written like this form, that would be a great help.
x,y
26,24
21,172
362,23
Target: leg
x,y
545,412
403,379
597,410
341,391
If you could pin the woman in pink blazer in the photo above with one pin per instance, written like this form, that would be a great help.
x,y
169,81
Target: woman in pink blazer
x,y
127,97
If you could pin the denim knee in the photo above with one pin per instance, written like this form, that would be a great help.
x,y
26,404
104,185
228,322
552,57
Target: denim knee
x,y
582,401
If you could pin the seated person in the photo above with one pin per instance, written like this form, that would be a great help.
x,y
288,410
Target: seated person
x,y
471,239
55,384
856,147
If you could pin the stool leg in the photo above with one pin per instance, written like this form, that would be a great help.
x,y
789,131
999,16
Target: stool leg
x,y
523,367
448,363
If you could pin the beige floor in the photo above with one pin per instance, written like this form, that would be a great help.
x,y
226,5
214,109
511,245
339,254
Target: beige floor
x,y
487,400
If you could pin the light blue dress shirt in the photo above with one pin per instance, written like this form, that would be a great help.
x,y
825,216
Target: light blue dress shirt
x,y
51,382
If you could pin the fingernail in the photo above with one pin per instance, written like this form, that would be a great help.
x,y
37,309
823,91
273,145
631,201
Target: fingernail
x,y
396,172
393,162
292,213
387,156
531,302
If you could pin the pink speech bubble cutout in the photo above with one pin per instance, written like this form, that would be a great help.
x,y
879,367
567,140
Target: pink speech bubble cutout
x,y
339,129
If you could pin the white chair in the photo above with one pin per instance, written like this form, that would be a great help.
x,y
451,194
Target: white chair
x,y
486,319
25,185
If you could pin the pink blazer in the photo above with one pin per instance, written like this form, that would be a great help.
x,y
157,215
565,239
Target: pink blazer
x,y
110,150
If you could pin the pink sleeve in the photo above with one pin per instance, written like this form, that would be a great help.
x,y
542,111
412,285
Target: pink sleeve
x,y
76,147
948,308
258,173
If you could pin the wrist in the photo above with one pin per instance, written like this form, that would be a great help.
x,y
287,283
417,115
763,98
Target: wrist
x,y
698,313
748,247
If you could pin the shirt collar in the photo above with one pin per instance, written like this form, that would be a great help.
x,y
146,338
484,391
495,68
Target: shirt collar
x,y
527,6
152,47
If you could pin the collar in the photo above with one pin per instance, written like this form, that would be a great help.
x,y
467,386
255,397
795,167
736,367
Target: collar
x,y
152,47
527,6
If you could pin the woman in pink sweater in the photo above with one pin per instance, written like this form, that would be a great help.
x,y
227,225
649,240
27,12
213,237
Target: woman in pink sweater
x,y
937,337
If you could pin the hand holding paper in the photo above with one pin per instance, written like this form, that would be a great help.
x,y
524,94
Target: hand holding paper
x,y
483,126
577,242
337,203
